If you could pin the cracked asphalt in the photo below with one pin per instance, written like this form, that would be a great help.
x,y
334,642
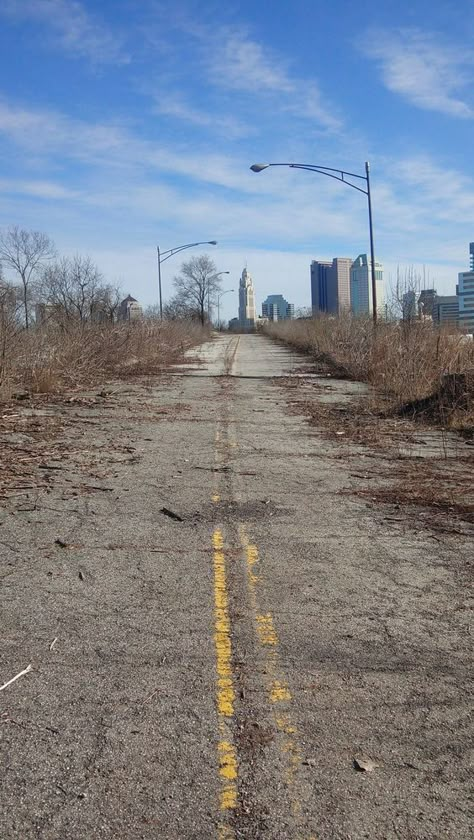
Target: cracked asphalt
x,y
215,673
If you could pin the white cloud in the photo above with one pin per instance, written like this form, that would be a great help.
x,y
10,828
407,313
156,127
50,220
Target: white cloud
x,y
53,135
72,27
424,70
46,190
234,61
172,105
237,62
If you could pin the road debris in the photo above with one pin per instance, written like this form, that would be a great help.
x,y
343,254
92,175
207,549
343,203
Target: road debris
x,y
17,677
171,514
364,764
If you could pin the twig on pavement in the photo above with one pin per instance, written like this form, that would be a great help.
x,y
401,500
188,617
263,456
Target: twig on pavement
x,y
13,679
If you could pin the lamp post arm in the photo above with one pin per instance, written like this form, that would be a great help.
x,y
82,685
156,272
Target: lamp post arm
x,y
165,255
330,173
341,175
338,174
227,291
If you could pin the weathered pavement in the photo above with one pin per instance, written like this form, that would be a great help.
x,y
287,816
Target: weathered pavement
x,y
217,676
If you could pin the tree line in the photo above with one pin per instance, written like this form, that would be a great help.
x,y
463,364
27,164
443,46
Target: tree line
x,y
32,272
73,290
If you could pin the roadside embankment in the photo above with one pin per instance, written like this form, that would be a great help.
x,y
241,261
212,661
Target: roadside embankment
x,y
414,369
55,358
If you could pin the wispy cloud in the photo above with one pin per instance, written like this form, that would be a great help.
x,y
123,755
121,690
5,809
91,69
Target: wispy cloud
x,y
425,70
45,190
72,28
230,59
54,137
173,105
240,63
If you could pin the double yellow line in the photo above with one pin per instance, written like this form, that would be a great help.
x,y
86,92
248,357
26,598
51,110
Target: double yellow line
x,y
225,682
276,687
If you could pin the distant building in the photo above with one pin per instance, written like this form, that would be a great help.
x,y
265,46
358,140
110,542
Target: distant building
x,y
426,302
466,295
446,310
234,325
361,286
409,306
319,286
276,308
129,310
246,301
330,286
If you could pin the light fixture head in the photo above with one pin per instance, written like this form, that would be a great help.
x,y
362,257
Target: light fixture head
x,y
259,167
212,242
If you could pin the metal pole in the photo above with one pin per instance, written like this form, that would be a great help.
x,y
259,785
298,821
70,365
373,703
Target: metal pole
x,y
372,250
218,312
159,281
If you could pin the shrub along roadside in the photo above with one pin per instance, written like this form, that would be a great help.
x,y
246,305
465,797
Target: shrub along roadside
x,y
52,359
414,368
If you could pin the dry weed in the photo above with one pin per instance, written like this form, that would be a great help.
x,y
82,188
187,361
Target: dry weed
x,y
405,364
52,359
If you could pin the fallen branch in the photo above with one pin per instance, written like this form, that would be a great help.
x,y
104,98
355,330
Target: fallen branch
x,y
13,679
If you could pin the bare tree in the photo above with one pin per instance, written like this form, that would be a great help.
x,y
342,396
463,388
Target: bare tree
x,y
197,284
179,308
109,304
25,252
74,289
9,325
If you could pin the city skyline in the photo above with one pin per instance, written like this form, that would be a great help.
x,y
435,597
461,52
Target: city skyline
x,y
116,133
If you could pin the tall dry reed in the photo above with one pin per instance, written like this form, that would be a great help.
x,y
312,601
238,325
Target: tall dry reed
x,y
54,358
405,363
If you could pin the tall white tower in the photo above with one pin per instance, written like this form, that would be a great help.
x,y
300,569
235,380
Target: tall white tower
x,y
246,300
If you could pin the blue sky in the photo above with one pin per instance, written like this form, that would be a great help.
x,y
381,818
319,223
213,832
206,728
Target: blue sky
x,y
125,124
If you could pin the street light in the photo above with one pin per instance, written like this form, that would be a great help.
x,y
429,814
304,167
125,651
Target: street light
x,y
219,301
209,293
165,255
340,175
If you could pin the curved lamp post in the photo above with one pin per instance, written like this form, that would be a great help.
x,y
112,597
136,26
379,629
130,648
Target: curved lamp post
x,y
219,302
165,255
219,273
341,175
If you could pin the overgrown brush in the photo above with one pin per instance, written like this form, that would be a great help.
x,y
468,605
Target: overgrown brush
x,y
405,363
53,358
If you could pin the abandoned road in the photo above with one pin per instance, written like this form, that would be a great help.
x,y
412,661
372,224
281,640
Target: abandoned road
x,y
225,641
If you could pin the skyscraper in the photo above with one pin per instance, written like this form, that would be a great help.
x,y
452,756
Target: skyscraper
x,y
246,301
330,286
465,292
319,286
361,286
276,308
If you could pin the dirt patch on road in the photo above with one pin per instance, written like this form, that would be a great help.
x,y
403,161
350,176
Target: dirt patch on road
x,y
44,436
415,467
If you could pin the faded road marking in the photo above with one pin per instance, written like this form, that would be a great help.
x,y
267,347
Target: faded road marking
x,y
225,692
278,692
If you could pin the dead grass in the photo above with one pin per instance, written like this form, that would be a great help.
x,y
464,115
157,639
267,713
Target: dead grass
x,y
52,359
444,491
409,366
436,489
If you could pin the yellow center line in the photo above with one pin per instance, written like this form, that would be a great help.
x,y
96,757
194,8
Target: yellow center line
x,y
278,691
225,691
